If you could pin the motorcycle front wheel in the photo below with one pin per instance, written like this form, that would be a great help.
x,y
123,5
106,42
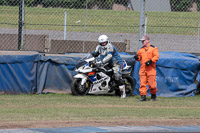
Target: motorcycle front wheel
x,y
77,89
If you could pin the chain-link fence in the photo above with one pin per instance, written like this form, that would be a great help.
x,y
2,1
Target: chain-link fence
x,y
71,25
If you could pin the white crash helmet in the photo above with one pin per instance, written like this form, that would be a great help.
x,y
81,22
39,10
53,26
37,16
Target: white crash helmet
x,y
103,40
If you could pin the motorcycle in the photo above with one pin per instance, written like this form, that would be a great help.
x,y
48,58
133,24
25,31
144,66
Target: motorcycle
x,y
93,79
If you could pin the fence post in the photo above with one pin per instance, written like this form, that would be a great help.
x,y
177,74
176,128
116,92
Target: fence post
x,y
85,24
145,25
65,25
198,33
21,25
142,10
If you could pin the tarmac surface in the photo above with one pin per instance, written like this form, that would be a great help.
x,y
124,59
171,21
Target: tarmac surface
x,y
99,129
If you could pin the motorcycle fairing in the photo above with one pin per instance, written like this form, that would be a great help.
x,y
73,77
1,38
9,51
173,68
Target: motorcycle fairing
x,y
97,87
125,66
83,78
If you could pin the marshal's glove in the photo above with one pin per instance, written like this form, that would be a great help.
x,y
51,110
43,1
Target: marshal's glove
x,y
136,57
148,62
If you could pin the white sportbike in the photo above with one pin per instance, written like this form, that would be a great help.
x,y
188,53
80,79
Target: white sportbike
x,y
91,79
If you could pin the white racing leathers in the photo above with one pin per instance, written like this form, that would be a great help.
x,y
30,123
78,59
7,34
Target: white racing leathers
x,y
109,54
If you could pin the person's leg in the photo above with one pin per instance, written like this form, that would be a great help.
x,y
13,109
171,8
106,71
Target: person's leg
x,y
118,77
152,86
143,87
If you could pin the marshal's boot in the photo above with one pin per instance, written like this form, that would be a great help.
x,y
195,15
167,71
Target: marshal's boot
x,y
143,98
153,97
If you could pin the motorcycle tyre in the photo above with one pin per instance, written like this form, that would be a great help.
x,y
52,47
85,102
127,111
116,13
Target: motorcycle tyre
x,y
131,81
74,88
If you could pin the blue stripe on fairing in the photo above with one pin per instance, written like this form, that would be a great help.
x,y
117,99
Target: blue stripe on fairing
x,y
124,64
93,78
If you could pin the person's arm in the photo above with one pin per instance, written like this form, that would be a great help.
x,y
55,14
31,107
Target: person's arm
x,y
96,52
154,58
139,56
155,55
108,57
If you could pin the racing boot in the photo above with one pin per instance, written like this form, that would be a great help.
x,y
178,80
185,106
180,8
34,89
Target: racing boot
x,y
153,97
123,91
143,98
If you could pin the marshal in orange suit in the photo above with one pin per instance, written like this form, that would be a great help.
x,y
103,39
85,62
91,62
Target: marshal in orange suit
x,y
148,55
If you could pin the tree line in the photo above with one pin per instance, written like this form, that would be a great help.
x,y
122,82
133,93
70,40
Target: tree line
x,y
176,5
77,4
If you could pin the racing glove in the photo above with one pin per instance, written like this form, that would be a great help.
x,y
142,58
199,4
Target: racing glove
x,y
99,63
136,57
95,54
148,62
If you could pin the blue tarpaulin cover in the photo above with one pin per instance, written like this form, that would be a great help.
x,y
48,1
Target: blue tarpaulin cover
x,y
27,73
18,73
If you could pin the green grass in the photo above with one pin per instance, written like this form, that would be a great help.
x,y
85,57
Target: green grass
x,y
66,107
183,23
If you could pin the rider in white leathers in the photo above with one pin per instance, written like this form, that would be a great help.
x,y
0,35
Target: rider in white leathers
x,y
108,53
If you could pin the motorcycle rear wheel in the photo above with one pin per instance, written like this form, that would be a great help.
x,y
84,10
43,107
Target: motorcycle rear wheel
x,y
77,89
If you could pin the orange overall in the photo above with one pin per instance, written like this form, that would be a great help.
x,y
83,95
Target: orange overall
x,y
147,74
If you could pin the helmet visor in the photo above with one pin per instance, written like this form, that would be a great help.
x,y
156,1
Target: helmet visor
x,y
103,43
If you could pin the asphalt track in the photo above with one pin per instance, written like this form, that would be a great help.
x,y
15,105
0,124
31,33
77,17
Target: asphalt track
x,y
99,129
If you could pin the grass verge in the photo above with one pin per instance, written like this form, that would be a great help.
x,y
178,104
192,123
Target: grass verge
x,y
65,107
108,21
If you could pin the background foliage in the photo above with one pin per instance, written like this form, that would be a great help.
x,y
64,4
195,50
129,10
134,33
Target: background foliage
x,y
180,5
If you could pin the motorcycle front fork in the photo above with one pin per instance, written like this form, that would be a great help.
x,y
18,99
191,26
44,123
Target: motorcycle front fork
x,y
83,81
